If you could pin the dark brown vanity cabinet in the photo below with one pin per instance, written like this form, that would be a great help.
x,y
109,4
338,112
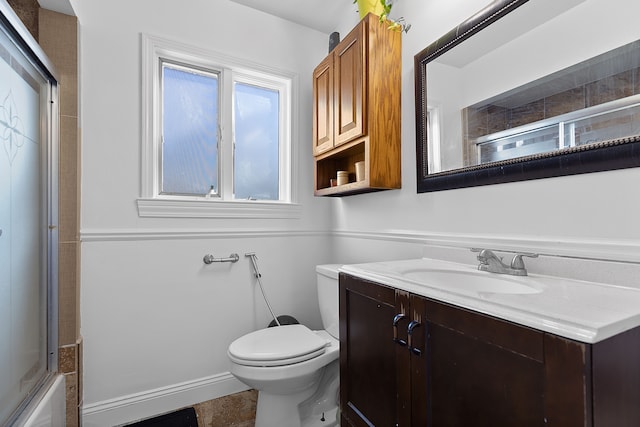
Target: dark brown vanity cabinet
x,y
406,360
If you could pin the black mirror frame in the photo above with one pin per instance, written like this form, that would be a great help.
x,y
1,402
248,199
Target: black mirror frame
x,y
608,155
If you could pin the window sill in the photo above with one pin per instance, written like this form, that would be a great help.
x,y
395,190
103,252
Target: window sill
x,y
168,208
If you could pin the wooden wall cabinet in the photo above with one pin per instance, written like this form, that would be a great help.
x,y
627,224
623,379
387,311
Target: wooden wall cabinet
x,y
406,360
357,109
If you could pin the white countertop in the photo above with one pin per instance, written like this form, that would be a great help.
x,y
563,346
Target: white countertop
x,y
584,311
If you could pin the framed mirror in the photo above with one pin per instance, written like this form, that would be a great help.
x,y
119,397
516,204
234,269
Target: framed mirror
x,y
529,89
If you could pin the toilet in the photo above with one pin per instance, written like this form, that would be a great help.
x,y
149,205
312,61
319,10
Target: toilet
x,y
295,369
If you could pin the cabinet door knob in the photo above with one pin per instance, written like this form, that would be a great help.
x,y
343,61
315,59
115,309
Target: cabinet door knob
x,y
412,325
396,319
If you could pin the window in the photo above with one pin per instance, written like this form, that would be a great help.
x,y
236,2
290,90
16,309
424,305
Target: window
x,y
218,135
189,131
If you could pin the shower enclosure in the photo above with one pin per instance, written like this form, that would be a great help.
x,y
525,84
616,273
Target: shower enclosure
x,y
28,218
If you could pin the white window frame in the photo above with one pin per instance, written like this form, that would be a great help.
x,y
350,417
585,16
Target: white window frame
x,y
154,204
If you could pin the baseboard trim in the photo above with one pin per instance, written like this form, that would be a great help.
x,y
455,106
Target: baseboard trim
x,y
138,406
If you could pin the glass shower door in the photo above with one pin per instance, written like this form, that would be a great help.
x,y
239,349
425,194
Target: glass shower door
x,y
24,99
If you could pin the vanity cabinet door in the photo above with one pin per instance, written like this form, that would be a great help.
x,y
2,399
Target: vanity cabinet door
x,y
368,380
484,371
382,355
616,380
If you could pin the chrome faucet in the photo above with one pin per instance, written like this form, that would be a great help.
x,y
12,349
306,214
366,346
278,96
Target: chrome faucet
x,y
493,264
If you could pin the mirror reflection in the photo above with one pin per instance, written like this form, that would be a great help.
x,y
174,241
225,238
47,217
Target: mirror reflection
x,y
529,86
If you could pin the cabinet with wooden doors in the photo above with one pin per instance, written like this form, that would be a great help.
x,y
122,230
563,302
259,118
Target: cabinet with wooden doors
x,y
357,109
407,360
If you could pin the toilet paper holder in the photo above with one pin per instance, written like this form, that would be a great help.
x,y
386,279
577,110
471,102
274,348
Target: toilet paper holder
x,y
210,259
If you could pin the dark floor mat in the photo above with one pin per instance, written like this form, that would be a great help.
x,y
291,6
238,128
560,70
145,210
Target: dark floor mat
x,y
182,418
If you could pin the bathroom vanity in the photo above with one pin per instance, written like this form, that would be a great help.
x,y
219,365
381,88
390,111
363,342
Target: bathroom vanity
x,y
498,351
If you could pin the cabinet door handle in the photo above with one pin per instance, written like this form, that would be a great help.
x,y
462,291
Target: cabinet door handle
x,y
412,325
396,319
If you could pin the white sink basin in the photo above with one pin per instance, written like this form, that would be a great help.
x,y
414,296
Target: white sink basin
x,y
579,310
471,281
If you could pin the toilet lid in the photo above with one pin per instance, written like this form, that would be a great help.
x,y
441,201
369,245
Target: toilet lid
x,y
277,346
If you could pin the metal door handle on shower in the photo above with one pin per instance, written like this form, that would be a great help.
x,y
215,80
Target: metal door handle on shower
x,y
209,259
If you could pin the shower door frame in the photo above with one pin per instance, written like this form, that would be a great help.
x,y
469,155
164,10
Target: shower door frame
x,y
12,26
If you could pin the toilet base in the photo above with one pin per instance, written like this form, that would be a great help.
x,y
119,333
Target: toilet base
x,y
321,409
282,411
316,406
277,410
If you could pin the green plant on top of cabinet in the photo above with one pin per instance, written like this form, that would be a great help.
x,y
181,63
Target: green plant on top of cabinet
x,y
356,111
410,361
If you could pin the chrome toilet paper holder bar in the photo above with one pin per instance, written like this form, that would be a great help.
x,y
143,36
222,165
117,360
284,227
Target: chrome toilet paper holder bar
x,y
210,259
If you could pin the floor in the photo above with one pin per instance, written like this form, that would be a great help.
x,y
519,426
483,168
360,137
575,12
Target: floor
x,y
236,410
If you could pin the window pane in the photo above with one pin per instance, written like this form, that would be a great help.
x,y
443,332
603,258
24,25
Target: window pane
x,y
256,156
190,130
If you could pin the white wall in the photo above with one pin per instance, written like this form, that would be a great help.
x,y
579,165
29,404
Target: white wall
x,y
587,207
156,321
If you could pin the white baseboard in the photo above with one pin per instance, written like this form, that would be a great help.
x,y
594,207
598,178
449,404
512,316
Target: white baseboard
x,y
133,407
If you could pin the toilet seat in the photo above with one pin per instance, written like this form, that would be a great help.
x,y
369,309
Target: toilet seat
x,y
277,346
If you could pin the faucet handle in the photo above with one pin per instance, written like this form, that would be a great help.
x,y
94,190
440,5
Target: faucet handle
x,y
517,261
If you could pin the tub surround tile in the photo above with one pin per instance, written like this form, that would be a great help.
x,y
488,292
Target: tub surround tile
x,y
475,121
71,381
27,10
609,88
59,38
80,371
69,187
564,102
67,360
497,118
67,293
528,113
69,364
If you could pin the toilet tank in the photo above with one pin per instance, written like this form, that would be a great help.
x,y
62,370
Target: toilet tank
x,y
327,282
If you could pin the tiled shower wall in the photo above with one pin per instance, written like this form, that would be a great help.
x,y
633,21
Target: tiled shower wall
x,y
491,118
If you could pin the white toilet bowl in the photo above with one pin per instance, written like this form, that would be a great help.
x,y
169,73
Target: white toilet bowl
x,y
281,389
294,369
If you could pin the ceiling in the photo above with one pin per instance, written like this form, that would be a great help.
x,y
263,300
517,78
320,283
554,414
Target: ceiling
x,y
319,15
